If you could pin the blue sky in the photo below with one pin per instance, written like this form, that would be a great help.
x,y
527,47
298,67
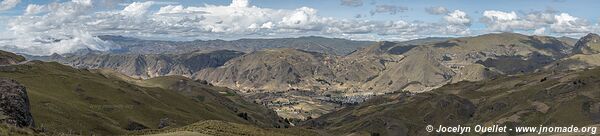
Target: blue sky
x,y
24,23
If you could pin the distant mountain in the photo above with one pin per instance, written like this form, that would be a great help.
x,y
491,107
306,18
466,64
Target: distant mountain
x,y
586,54
388,66
302,77
311,43
382,67
568,40
589,44
273,69
543,98
8,58
147,65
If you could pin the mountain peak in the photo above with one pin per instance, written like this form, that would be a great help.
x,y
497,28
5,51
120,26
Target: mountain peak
x,y
589,44
591,36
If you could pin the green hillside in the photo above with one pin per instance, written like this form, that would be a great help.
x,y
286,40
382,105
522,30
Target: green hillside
x,y
222,128
74,101
544,98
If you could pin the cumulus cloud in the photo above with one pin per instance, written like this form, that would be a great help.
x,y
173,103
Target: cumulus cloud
x,y
390,9
439,10
137,8
458,23
540,31
8,4
458,17
566,23
47,29
58,31
35,9
351,3
537,22
505,21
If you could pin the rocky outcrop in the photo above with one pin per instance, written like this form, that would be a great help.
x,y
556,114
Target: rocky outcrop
x,y
273,69
390,66
8,58
586,54
149,65
589,44
14,104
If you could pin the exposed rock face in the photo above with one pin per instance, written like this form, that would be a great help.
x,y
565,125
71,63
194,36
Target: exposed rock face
x,y
8,58
389,66
164,123
586,54
272,69
521,100
150,65
589,44
14,104
311,43
135,126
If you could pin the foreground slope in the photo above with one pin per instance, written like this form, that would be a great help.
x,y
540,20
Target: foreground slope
x,y
221,128
78,101
544,98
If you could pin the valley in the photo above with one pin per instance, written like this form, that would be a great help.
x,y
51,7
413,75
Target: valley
x,y
285,91
296,83
299,68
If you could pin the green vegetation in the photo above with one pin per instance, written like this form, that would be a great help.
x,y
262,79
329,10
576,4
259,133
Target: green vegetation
x,y
18,58
222,128
543,98
78,101
6,130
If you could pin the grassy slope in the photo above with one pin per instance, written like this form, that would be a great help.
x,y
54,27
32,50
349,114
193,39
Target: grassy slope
x,y
69,100
562,99
221,128
18,58
7,130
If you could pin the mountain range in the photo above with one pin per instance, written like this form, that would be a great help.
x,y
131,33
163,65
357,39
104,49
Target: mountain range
x,y
389,66
381,88
381,67
65,100
130,45
543,98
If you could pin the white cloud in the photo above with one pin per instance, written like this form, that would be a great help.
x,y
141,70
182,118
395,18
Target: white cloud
x,y
535,22
8,4
58,31
439,10
500,16
46,29
566,23
33,9
458,17
390,9
540,31
303,19
351,3
505,21
137,8
239,3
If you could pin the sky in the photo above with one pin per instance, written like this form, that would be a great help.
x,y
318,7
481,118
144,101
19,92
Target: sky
x,y
43,27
